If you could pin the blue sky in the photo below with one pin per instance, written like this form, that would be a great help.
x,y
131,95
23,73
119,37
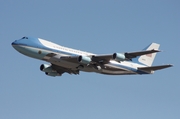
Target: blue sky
x,y
98,27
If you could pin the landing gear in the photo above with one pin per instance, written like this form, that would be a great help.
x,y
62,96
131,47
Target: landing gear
x,y
97,67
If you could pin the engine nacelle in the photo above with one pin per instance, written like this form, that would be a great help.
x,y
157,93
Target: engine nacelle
x,y
46,68
84,59
119,57
52,74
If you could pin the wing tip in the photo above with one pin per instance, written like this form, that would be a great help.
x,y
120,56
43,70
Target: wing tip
x,y
170,65
156,50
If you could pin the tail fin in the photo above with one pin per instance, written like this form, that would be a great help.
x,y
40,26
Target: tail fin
x,y
148,58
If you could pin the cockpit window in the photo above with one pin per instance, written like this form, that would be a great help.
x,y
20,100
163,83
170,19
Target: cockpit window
x,y
24,37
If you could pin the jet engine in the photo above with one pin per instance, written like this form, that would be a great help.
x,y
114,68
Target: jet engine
x,y
48,70
119,57
84,59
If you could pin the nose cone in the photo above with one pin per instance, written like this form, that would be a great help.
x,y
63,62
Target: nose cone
x,y
14,43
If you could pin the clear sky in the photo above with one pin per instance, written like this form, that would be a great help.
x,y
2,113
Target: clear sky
x,y
98,26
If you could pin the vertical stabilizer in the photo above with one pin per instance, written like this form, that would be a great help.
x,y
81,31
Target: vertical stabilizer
x,y
148,58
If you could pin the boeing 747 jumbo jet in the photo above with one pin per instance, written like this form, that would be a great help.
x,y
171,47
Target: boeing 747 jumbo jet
x,y
63,59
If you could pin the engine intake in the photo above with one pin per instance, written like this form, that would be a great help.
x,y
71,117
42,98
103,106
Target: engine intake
x,y
46,68
119,57
84,59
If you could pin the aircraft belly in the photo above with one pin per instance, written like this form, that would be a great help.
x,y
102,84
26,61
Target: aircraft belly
x,y
109,72
114,70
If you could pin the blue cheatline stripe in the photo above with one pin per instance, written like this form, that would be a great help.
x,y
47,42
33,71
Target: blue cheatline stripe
x,y
58,51
45,51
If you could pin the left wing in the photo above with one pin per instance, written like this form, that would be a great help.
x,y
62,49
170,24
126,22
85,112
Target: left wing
x,y
127,56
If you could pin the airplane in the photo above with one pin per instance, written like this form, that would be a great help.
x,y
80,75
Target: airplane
x,y
67,60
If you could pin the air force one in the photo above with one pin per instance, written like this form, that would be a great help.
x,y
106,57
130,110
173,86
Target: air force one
x,y
68,60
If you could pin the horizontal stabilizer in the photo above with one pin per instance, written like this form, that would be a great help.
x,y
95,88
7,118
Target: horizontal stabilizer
x,y
154,68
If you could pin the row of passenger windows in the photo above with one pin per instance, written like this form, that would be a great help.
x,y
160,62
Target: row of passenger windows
x,y
71,50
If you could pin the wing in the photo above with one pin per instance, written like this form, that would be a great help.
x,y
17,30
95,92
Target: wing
x,y
128,56
62,70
